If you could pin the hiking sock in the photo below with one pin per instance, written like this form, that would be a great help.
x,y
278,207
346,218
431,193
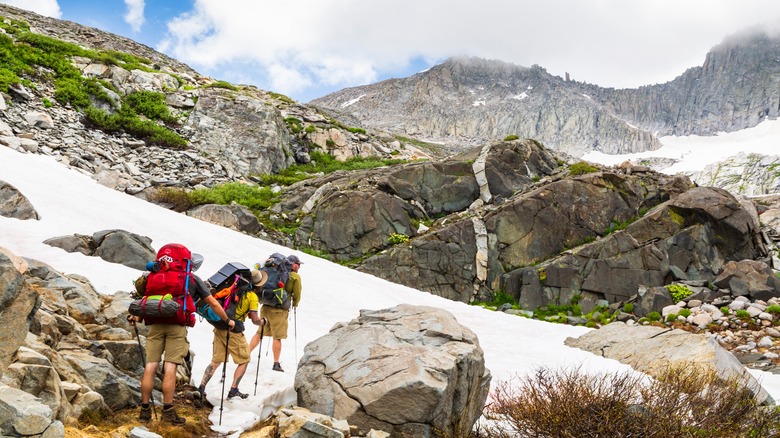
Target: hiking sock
x,y
234,392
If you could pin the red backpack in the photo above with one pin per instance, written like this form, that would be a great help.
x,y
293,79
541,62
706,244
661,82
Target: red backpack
x,y
170,274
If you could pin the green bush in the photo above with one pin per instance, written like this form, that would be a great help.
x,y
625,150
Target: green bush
x,y
222,84
150,104
725,310
178,199
678,292
628,307
396,238
253,197
774,308
356,130
511,137
581,168
685,312
654,316
126,120
742,314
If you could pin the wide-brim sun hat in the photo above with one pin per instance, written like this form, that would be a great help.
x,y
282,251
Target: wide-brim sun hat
x,y
259,277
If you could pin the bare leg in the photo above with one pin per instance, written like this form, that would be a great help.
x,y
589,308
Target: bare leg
x,y
209,373
240,370
147,381
276,347
254,342
169,381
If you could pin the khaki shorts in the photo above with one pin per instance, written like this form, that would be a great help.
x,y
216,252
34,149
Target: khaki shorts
x,y
170,339
277,322
238,348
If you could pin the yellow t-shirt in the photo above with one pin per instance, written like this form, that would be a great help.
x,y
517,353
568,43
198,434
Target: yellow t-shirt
x,y
248,303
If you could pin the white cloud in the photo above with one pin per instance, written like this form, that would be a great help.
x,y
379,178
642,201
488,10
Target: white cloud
x,y
135,14
49,8
352,42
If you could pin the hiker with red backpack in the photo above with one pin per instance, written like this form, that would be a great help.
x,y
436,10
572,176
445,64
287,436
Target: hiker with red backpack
x,y
170,280
233,342
277,302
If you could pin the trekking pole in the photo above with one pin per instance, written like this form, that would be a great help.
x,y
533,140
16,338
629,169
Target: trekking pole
x,y
131,320
224,369
259,349
295,325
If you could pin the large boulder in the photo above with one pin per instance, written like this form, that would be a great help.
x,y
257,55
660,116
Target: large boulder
x,y
119,246
234,216
22,414
115,246
17,302
14,204
749,277
653,350
408,370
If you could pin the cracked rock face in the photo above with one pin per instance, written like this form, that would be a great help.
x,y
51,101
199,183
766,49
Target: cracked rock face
x,y
407,370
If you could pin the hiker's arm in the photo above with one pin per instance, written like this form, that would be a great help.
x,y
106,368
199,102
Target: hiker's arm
x,y
254,306
203,292
255,317
296,292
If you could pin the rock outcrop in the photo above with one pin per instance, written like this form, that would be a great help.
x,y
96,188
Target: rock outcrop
x,y
115,246
406,370
653,350
14,204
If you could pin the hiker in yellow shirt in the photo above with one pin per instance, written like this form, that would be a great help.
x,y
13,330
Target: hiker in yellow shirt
x,y
238,348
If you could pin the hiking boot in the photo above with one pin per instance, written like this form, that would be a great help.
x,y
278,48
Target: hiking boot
x,y
278,367
200,396
146,413
169,416
234,392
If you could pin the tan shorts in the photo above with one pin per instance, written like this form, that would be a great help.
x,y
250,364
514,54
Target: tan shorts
x,y
170,339
277,322
238,348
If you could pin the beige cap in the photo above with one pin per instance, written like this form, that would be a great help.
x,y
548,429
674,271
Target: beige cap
x,y
259,277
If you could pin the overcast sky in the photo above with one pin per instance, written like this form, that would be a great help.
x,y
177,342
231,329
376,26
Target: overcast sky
x,y
308,48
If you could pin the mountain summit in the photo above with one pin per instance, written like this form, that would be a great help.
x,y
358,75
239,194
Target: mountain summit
x,y
468,101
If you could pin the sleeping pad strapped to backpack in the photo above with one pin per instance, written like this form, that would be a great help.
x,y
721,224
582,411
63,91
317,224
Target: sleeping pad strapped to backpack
x,y
228,286
168,281
272,293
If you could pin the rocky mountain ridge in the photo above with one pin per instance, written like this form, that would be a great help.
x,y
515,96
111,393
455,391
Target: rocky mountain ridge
x,y
231,132
468,101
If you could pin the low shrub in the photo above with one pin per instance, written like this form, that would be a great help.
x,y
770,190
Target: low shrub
x,y
178,199
685,400
251,196
679,292
654,316
511,137
742,314
581,168
628,307
396,238
774,308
